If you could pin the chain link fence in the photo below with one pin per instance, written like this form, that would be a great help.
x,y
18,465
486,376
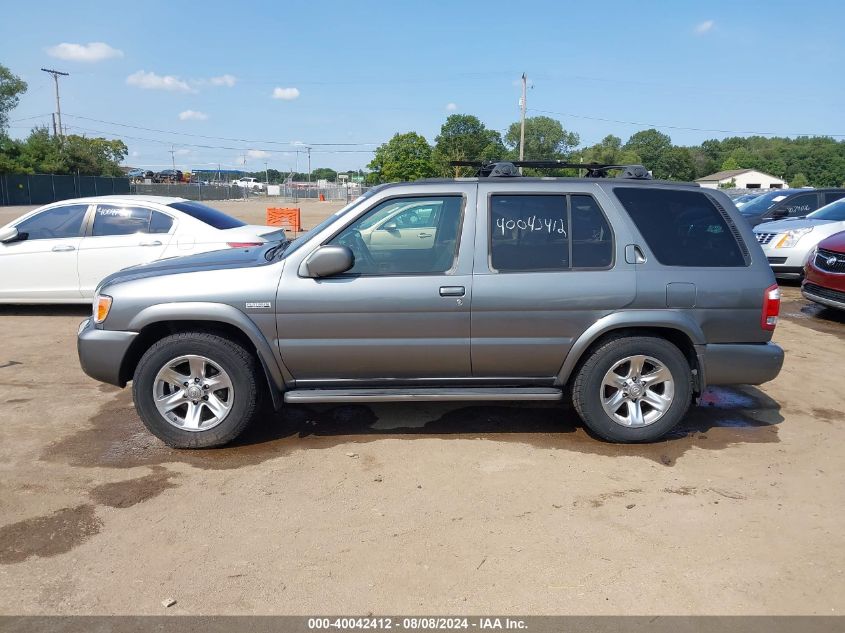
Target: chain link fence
x,y
192,191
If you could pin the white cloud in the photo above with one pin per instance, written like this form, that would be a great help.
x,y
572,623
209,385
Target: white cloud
x,y
705,27
258,153
286,94
223,80
151,81
91,52
451,107
192,115
183,152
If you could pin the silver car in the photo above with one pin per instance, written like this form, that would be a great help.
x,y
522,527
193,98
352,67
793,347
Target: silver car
x,y
789,243
627,295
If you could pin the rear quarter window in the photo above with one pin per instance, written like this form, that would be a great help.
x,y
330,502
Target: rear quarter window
x,y
682,228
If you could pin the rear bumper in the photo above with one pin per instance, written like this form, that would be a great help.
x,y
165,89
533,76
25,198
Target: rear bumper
x,y
101,352
740,364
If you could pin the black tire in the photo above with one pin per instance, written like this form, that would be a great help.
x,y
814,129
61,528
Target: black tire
x,y
587,388
238,363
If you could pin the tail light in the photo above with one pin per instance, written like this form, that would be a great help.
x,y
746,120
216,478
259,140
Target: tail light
x,y
243,244
771,307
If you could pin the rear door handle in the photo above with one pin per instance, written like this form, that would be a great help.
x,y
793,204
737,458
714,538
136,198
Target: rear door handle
x,y
452,291
155,243
63,249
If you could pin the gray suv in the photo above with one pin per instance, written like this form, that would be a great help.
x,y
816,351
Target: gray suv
x,y
627,295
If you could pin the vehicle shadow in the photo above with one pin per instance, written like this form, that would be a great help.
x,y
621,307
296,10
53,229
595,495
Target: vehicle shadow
x,y
46,310
117,438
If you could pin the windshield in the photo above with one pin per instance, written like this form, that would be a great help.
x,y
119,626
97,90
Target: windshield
x,y
299,241
834,211
763,203
209,215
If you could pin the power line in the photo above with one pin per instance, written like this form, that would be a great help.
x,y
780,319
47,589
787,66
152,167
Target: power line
x,y
215,138
680,127
293,149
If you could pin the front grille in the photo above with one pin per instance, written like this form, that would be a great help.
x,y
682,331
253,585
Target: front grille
x,y
777,260
823,257
764,238
826,293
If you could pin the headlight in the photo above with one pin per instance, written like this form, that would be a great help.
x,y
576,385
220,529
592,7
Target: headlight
x,y
790,238
102,305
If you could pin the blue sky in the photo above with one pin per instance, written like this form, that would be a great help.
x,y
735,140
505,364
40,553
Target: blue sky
x,y
356,73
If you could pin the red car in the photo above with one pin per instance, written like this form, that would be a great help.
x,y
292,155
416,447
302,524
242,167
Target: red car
x,y
824,274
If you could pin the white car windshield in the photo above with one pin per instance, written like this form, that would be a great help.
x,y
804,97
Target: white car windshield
x,y
834,211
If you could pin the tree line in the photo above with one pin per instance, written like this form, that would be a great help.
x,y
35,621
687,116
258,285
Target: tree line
x,y
816,161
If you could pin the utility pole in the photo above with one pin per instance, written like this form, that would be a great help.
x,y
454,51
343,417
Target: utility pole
x,y
56,74
309,167
173,157
522,105
266,173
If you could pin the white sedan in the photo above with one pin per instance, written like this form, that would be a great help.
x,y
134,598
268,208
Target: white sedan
x,y
58,253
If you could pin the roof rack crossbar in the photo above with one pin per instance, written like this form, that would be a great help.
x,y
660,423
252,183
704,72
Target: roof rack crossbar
x,y
492,169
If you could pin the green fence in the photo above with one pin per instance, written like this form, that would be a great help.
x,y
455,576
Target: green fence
x,y
46,188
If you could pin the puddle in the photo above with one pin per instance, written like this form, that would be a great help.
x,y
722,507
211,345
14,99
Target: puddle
x,y
118,439
123,494
828,415
796,309
48,535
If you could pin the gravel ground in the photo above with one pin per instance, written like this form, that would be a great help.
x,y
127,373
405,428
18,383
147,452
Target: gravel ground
x,y
426,508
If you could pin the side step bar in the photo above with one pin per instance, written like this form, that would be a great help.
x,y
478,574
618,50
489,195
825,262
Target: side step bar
x,y
423,394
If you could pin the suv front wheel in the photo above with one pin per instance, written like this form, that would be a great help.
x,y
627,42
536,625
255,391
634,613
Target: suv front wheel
x,y
196,390
633,389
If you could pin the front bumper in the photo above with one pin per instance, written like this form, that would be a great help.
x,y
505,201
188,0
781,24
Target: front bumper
x,y
101,352
740,363
786,262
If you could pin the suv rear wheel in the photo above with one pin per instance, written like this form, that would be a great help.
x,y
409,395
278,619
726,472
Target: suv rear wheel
x,y
633,389
196,390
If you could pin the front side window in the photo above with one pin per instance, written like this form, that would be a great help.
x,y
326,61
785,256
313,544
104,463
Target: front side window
x,y
114,219
682,228
405,236
56,223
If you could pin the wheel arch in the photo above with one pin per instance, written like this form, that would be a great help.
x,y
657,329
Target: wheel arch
x,y
682,332
157,322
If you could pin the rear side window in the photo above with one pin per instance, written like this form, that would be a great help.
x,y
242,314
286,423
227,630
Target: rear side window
x,y
682,228
160,223
831,196
209,215
529,233
120,220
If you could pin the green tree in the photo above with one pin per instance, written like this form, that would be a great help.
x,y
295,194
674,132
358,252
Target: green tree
x,y
46,154
11,88
545,139
731,163
464,137
404,157
609,151
324,173
799,180
650,145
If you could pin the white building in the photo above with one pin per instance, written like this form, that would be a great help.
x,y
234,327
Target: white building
x,y
742,179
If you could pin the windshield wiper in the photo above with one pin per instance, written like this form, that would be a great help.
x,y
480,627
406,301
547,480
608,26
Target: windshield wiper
x,y
277,249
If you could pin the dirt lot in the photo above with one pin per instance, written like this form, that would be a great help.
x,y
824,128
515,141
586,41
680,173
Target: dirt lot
x,y
420,508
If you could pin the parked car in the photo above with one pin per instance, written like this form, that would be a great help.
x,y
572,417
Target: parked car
x,y
788,243
58,253
787,203
249,183
135,174
824,279
629,294
169,176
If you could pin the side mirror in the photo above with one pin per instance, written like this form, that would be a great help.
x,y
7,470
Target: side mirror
x,y
9,234
329,260
390,226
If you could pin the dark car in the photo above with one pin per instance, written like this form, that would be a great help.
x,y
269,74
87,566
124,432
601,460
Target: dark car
x,y
787,203
169,175
824,275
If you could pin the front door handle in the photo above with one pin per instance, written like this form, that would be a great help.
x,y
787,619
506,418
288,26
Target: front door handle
x,y
422,236
452,291
63,249
155,243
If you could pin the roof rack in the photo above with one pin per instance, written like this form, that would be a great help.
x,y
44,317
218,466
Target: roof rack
x,y
509,169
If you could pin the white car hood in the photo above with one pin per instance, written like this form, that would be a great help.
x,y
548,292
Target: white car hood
x,y
787,224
